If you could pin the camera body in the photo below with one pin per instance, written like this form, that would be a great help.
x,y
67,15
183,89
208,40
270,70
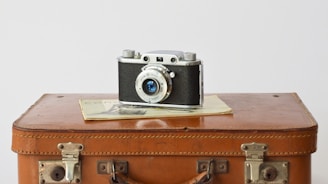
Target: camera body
x,y
160,78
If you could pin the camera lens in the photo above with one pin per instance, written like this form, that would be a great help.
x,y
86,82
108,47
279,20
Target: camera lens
x,y
153,84
150,86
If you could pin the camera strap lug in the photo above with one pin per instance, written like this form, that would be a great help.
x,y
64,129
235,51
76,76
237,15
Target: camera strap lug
x,y
258,171
68,169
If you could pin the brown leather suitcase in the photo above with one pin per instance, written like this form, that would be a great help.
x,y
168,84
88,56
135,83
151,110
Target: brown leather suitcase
x,y
268,139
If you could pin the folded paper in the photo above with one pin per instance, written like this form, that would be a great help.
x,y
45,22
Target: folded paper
x,y
111,109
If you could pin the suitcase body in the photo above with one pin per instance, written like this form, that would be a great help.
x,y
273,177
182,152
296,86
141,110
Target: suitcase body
x,y
269,139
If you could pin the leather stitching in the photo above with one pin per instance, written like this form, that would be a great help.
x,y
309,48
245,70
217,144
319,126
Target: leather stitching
x,y
167,153
34,136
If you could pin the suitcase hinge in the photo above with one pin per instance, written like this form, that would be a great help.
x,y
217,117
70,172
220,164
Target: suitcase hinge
x,y
68,169
258,171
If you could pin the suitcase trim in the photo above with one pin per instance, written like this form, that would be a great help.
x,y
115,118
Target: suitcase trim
x,y
165,144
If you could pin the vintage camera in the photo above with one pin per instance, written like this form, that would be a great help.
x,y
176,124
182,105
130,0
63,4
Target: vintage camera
x,y
160,78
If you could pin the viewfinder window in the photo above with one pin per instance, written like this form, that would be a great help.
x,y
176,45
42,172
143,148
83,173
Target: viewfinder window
x,y
159,59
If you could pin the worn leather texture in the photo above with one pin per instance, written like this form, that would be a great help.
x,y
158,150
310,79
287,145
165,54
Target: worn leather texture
x,y
166,150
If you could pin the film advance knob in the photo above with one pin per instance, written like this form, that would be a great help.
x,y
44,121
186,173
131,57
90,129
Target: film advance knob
x,y
189,56
128,53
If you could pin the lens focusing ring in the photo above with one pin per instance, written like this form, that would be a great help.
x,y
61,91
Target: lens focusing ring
x,y
162,83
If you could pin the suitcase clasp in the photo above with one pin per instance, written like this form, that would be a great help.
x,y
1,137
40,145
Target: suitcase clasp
x,y
258,171
68,169
70,157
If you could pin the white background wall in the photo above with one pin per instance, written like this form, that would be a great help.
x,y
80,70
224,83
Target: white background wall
x,y
247,46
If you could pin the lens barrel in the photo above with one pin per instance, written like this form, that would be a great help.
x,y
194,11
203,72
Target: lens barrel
x,y
153,84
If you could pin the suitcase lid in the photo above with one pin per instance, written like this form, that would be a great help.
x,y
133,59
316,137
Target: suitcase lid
x,y
61,112
256,117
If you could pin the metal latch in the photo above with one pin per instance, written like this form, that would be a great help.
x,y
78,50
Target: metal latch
x,y
66,170
258,171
